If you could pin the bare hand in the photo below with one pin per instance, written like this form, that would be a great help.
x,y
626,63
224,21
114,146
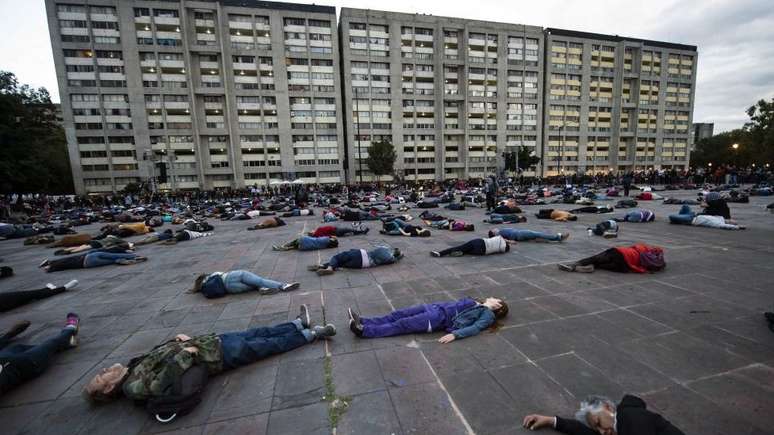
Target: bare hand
x,y
191,349
535,421
182,337
448,338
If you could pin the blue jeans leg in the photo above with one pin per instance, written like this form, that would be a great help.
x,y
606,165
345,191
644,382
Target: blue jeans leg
x,y
526,235
240,281
395,315
246,347
96,259
427,321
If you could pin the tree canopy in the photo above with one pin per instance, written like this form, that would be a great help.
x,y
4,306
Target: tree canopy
x,y
381,158
34,157
755,141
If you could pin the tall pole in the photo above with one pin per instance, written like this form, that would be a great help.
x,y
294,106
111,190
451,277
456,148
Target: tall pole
x,y
357,128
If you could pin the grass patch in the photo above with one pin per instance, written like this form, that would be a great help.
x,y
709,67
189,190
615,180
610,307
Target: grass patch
x,y
337,405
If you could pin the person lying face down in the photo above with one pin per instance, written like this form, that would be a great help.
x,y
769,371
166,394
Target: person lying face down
x,y
218,284
152,375
519,235
686,216
308,243
599,415
397,227
344,231
638,258
557,215
268,223
462,318
489,246
637,216
358,259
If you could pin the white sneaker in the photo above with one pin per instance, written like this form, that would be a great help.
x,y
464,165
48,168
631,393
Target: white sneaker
x,y
71,284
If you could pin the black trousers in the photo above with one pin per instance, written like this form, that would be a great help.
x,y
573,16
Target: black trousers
x,y
610,259
11,300
473,247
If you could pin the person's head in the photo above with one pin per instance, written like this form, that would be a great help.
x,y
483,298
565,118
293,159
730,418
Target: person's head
x,y
197,287
423,232
397,254
334,242
572,217
598,413
497,305
106,385
494,232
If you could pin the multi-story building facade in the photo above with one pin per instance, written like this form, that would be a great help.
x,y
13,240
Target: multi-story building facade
x,y
616,103
232,93
450,94
701,130
225,93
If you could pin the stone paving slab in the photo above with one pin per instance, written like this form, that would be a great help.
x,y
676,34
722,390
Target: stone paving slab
x,y
690,340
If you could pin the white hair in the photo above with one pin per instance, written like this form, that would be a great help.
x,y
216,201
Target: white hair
x,y
592,405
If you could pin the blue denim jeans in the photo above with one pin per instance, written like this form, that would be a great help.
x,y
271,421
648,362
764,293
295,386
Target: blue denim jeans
x,y
350,259
684,216
23,362
415,319
97,259
240,281
526,235
246,347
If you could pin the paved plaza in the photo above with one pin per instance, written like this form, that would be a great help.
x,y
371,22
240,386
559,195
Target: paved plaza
x,y
691,340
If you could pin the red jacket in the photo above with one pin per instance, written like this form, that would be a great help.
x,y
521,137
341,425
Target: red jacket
x,y
632,256
324,231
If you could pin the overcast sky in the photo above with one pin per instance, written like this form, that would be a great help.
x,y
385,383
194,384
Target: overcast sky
x,y
735,38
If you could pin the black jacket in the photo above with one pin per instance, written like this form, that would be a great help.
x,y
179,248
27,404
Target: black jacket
x,y
632,419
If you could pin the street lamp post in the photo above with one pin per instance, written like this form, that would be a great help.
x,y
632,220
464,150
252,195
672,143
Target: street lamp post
x,y
357,128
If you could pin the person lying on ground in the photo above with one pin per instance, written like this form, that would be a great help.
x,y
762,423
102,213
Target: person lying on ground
x,y
345,231
489,246
358,259
497,218
249,214
11,300
91,259
626,203
557,215
307,243
677,201
40,239
638,258
594,209
518,235
508,206
686,216
599,415
462,318
108,243
198,226
20,363
397,227
154,374
648,196
183,236
299,212
71,240
640,215
268,223
715,205
452,225
22,231
218,284
155,237
428,216
123,230
607,229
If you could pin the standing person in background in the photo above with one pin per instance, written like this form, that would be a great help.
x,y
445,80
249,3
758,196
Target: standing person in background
x,y
627,183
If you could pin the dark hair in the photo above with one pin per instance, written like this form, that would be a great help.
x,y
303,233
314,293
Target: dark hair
x,y
499,313
491,233
334,242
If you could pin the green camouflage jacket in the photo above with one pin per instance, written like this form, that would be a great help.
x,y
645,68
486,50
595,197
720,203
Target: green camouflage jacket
x,y
155,373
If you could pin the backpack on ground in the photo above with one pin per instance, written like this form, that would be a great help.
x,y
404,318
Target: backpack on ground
x,y
186,394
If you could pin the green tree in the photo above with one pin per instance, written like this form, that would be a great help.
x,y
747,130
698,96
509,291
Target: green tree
x,y
381,159
34,150
761,131
527,159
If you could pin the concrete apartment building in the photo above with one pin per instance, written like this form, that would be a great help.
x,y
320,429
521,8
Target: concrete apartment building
x,y
450,94
701,130
232,93
615,103
224,93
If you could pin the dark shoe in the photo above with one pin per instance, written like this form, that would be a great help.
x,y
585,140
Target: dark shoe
x,y
320,332
16,329
291,286
314,267
770,318
5,272
73,322
355,324
304,317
